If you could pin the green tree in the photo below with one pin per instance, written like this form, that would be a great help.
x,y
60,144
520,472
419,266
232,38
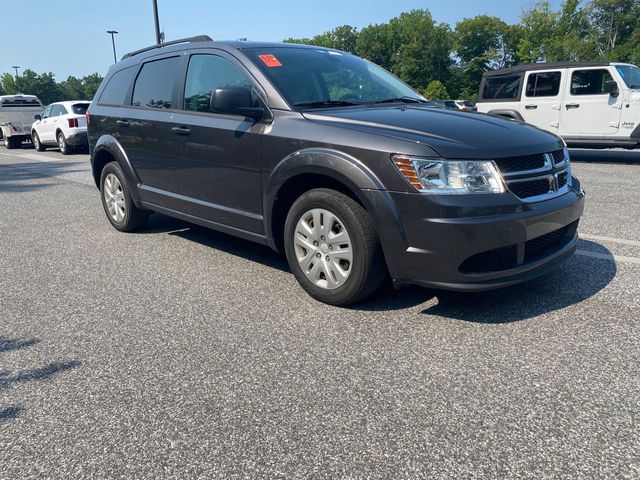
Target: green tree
x,y
340,38
72,89
90,84
8,82
614,26
539,25
435,91
373,44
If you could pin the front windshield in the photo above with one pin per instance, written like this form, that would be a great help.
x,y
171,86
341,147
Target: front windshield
x,y
315,78
630,74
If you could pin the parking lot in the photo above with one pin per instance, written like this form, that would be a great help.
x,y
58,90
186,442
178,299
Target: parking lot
x,y
181,352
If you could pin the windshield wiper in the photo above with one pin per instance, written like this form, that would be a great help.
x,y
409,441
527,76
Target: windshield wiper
x,y
405,99
326,103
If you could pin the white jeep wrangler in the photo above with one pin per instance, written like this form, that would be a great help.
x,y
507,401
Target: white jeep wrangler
x,y
594,105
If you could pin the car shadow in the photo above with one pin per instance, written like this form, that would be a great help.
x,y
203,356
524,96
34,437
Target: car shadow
x,y
9,379
605,156
17,177
220,241
573,282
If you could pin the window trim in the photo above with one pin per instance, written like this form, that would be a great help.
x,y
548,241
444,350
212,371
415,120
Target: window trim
x,y
571,94
538,72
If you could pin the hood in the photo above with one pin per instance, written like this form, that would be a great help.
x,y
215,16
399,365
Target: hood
x,y
453,134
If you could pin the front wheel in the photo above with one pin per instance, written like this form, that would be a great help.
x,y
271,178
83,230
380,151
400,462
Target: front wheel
x,y
332,247
36,142
11,142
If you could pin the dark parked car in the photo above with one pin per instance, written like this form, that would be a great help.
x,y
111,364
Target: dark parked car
x,y
333,160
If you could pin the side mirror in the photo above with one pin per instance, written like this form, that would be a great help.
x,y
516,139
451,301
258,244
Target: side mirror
x,y
235,101
611,87
38,117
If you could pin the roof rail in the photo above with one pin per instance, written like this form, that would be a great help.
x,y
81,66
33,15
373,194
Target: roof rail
x,y
198,38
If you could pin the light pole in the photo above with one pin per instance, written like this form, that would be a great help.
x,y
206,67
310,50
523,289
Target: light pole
x,y
156,21
113,43
16,67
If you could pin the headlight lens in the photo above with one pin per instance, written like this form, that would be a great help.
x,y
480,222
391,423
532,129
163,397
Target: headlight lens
x,y
450,176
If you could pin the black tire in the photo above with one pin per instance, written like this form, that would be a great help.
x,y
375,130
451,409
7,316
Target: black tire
x,y
10,143
64,147
37,144
368,270
134,217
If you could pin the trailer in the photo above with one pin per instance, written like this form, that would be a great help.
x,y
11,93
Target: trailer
x,y
16,116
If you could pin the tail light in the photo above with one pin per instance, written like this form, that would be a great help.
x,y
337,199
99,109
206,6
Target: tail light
x,y
86,115
73,122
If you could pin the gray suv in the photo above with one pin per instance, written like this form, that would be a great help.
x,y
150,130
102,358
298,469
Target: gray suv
x,y
334,161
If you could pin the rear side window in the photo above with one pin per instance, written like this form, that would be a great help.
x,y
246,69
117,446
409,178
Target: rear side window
x,y
80,108
207,73
58,110
589,82
501,88
544,84
154,85
115,92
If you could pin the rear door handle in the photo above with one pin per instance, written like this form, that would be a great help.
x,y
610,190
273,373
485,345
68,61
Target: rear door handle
x,y
531,107
569,106
181,130
123,123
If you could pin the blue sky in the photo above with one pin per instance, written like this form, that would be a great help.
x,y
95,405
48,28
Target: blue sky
x,y
68,37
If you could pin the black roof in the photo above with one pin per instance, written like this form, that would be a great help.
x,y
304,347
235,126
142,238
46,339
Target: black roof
x,y
542,66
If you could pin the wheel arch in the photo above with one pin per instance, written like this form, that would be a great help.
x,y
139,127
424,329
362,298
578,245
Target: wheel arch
x,y
107,150
323,168
507,113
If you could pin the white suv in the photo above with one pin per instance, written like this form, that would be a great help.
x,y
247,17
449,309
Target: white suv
x,y
63,124
591,104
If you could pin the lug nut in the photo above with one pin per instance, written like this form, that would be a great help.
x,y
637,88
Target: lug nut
x,y
315,244
327,258
330,247
318,255
322,238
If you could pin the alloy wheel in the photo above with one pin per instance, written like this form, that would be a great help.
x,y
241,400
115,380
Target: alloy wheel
x,y
114,198
323,248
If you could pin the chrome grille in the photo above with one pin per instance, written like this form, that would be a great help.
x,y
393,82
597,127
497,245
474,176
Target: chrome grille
x,y
534,178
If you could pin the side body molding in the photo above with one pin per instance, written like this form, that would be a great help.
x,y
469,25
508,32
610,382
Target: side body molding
x,y
109,144
350,172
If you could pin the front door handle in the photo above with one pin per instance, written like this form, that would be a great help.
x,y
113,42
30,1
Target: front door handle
x,y
123,123
181,130
531,107
569,106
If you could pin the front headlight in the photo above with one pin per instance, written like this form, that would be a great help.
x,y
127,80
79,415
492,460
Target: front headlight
x,y
441,177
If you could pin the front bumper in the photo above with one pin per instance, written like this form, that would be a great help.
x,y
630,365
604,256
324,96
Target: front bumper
x,y
476,243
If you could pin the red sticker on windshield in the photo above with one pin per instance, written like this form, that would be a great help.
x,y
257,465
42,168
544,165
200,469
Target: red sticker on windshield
x,y
270,60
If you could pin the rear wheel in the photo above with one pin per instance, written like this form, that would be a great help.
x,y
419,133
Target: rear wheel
x,y
332,247
11,143
117,202
36,142
65,149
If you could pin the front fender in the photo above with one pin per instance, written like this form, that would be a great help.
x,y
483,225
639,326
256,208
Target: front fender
x,y
109,145
348,171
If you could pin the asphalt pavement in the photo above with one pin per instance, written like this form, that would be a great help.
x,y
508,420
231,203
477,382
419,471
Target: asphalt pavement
x,y
179,352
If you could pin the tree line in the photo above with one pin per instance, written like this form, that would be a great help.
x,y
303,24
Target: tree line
x,y
437,59
442,61
45,87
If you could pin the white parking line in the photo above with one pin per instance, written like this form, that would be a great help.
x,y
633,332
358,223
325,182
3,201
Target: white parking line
x,y
600,238
609,256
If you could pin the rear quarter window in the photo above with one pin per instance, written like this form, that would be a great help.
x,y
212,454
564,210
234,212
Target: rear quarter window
x,y
501,88
154,85
115,92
